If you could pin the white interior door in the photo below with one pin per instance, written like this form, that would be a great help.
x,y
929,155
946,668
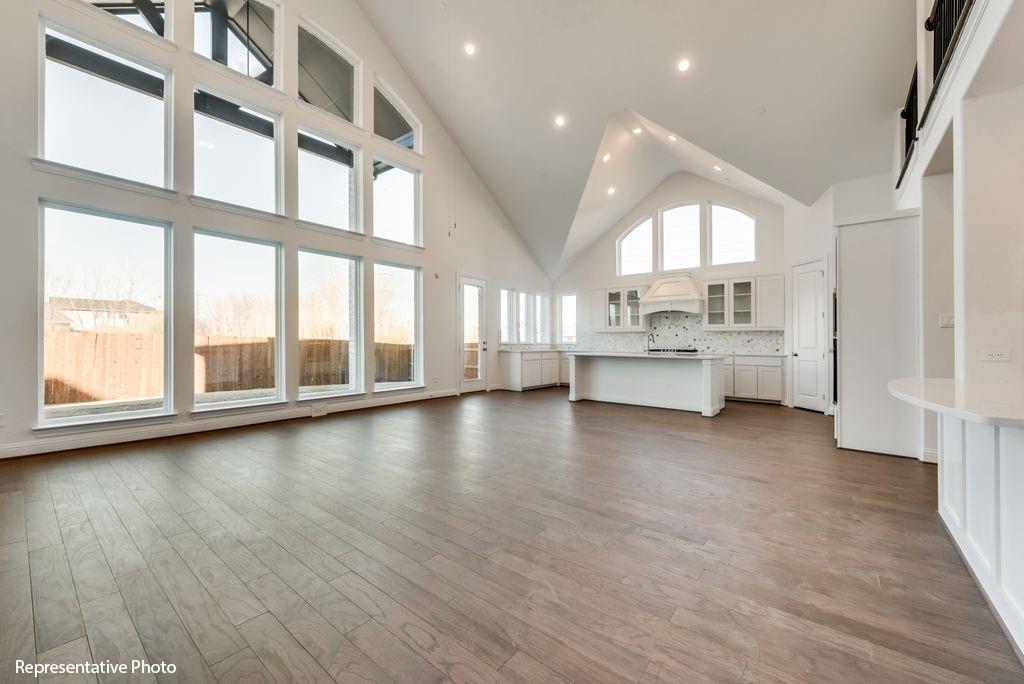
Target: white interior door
x,y
810,364
472,334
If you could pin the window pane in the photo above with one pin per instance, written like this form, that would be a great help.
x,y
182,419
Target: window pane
x,y
522,318
680,237
121,130
394,203
327,192
540,318
328,324
389,123
235,320
395,324
568,305
325,77
506,317
151,19
235,156
239,34
733,236
635,250
104,298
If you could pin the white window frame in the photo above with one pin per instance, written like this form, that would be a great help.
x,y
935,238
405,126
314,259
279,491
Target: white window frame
x,y
279,331
392,96
560,337
168,405
279,154
417,201
711,233
279,82
164,69
702,258
625,234
356,336
418,376
542,314
137,31
509,297
357,179
350,56
529,333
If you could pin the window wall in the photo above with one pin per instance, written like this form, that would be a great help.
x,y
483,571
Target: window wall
x,y
567,318
395,214
329,330
733,236
680,237
327,183
396,326
635,249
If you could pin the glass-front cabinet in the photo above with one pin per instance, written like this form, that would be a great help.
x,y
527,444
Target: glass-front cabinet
x,y
614,317
742,310
732,304
716,305
617,309
633,308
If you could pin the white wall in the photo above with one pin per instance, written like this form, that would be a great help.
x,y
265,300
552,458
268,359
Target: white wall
x,y
485,244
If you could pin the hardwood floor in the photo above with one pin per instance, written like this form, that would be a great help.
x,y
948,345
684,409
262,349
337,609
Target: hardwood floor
x,y
497,537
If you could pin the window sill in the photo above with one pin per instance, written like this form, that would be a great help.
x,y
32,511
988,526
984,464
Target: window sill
x,y
398,389
79,173
329,396
239,406
329,230
220,205
121,25
237,76
385,242
103,422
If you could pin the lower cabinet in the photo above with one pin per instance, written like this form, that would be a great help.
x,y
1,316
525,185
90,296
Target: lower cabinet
x,y
754,377
563,369
526,370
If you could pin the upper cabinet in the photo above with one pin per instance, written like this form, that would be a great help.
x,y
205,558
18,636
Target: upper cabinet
x,y
616,309
751,303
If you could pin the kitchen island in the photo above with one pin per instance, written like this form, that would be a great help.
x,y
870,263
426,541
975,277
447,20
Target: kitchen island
x,y
681,381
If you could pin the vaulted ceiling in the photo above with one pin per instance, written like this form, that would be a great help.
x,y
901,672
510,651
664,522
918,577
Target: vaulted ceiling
x,y
799,94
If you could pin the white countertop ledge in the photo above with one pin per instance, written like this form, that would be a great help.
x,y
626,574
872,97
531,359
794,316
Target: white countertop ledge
x,y
986,403
642,355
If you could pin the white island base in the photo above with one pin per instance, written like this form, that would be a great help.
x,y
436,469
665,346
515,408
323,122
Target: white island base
x,y
685,382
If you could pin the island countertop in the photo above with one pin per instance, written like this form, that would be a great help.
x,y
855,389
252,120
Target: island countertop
x,y
653,355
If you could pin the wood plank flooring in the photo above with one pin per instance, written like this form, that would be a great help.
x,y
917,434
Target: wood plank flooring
x,y
497,537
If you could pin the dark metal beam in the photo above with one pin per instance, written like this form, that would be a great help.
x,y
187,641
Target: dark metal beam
x,y
231,113
218,30
94,63
151,14
330,151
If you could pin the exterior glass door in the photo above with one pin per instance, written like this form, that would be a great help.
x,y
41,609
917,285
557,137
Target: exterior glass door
x,y
472,325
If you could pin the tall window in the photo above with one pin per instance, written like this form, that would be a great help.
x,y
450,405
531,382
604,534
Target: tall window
x,y
733,236
104,316
394,203
236,320
149,15
567,319
505,314
327,187
235,155
390,123
522,317
325,78
540,318
680,237
396,326
238,34
103,113
636,249
328,323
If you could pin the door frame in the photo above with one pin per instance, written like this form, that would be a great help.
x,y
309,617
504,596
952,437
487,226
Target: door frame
x,y
462,385
815,264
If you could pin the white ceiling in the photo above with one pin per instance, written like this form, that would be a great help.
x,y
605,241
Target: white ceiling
x,y
800,94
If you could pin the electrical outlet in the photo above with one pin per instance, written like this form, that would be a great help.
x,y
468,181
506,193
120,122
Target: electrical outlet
x,y
319,409
998,355
945,320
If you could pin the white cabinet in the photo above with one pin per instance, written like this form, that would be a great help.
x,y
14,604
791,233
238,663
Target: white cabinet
x,y
529,369
533,373
616,309
746,303
563,369
754,377
549,370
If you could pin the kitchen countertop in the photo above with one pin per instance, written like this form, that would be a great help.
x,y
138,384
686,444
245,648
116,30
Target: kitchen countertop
x,y
655,355
985,403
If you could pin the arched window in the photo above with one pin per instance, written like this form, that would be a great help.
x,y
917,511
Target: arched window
x,y
392,120
636,249
680,237
733,236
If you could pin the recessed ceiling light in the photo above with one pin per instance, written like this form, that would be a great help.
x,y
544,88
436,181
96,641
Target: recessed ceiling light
x,y
684,65
606,157
717,168
470,49
672,138
637,131
611,190
559,120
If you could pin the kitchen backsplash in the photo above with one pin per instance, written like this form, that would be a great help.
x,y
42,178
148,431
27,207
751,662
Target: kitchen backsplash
x,y
686,331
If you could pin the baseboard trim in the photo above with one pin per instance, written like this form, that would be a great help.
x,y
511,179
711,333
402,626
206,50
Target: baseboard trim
x,y
137,433
930,455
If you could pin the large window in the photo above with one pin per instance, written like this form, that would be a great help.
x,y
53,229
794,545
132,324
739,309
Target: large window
x,y
505,314
325,78
541,315
396,326
390,123
327,187
394,203
680,237
567,319
636,249
328,323
146,14
733,236
237,355
105,345
235,155
103,113
522,317
238,34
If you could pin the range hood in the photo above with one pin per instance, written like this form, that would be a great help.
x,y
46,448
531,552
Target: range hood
x,y
673,293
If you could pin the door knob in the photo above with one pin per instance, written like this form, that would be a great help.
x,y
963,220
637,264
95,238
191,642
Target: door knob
x,y
795,354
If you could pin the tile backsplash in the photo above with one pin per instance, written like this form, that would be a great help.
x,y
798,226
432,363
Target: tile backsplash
x,y
686,331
